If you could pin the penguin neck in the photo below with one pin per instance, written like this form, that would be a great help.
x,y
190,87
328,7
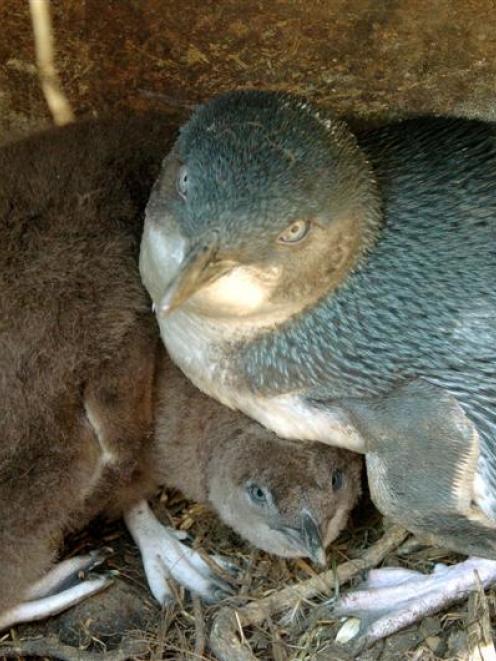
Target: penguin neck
x,y
318,345
199,345
220,357
219,354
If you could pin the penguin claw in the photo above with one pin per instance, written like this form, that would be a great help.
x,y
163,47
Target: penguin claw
x,y
187,567
219,594
66,574
54,602
165,557
181,535
227,565
394,598
70,581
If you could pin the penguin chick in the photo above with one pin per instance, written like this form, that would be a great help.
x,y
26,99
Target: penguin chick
x,y
287,498
77,345
78,359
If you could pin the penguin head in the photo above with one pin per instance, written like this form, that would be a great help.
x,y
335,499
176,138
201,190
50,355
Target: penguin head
x,y
286,497
262,206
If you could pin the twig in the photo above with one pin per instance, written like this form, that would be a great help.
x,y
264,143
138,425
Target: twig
x,y
199,627
224,638
166,619
51,647
278,650
50,83
248,575
480,641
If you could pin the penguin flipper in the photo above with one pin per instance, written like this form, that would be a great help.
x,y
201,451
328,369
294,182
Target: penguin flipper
x,y
422,454
468,532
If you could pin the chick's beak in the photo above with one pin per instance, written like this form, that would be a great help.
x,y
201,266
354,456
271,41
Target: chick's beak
x,y
197,269
312,540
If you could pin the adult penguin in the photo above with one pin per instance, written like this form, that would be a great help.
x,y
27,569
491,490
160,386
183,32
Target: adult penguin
x,y
340,288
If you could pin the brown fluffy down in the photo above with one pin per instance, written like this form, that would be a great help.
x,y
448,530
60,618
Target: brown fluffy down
x,y
74,327
77,336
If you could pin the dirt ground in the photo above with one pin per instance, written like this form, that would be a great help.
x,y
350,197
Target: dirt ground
x,y
368,60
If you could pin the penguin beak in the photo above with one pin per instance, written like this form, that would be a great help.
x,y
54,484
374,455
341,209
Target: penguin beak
x,y
197,269
312,540
307,539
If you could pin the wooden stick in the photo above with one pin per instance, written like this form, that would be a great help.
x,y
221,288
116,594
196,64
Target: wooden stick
x,y
51,647
43,40
480,640
199,627
227,640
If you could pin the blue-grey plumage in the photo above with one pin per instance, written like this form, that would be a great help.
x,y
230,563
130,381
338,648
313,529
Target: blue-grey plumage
x,y
332,269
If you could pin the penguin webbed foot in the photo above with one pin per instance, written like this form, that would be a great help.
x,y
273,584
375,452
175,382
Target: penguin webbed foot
x,y
65,585
165,557
394,598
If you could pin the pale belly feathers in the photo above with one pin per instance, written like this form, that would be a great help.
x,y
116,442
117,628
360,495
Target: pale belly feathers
x,y
195,345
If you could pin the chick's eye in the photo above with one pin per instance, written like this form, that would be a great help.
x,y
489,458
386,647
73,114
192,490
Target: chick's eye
x,y
337,479
182,181
295,232
257,494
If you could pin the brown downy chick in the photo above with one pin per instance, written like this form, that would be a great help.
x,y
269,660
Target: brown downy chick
x,y
287,498
77,341
78,352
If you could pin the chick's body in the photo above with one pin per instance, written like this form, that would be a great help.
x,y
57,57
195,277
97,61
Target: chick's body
x,y
94,415
220,457
76,342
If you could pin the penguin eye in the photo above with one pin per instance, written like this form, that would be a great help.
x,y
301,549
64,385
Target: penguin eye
x,y
295,232
337,479
182,181
257,494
